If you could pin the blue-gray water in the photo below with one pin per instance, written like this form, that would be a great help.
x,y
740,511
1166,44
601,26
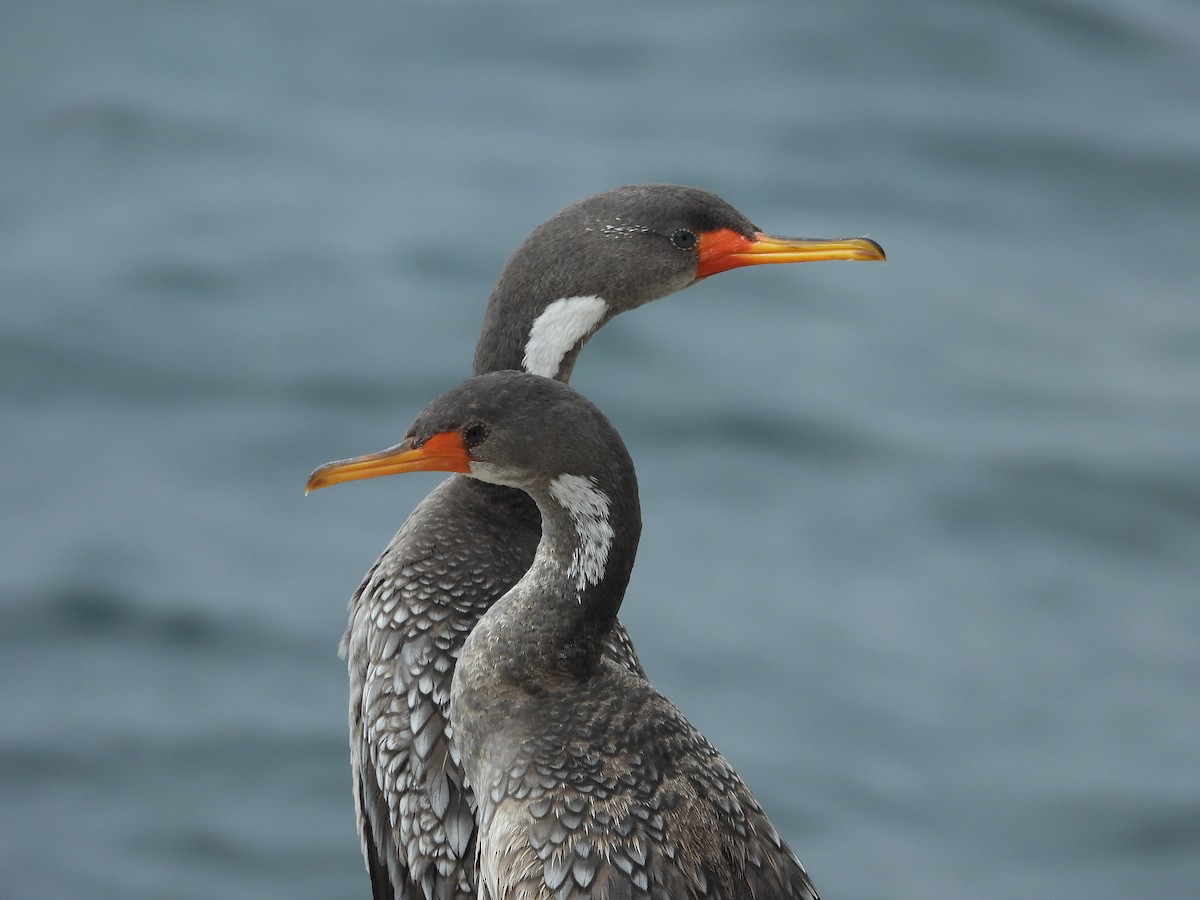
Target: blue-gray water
x,y
922,541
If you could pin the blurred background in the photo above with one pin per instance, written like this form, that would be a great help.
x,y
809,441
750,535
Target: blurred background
x,y
922,540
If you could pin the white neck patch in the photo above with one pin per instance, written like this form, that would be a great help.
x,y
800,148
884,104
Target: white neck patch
x,y
587,506
557,330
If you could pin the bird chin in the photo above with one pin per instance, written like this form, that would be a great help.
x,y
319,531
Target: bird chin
x,y
494,474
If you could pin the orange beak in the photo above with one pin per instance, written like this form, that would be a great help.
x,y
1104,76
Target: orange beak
x,y
444,452
725,249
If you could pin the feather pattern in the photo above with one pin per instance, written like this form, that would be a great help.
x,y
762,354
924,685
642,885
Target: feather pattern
x,y
452,559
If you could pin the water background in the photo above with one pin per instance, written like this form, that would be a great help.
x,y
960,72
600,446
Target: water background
x,y
922,541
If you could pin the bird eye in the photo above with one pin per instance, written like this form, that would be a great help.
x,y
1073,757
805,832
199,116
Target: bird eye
x,y
684,239
474,434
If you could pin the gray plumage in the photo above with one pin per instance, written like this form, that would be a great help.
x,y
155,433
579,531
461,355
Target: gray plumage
x,y
463,547
468,543
590,783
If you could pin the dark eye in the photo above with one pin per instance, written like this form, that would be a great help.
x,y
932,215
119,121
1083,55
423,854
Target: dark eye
x,y
474,434
684,239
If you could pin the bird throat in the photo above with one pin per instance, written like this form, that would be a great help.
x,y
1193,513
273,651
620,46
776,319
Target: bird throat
x,y
558,329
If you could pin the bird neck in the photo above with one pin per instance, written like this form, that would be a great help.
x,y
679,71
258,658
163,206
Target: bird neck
x,y
524,329
556,617
546,304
